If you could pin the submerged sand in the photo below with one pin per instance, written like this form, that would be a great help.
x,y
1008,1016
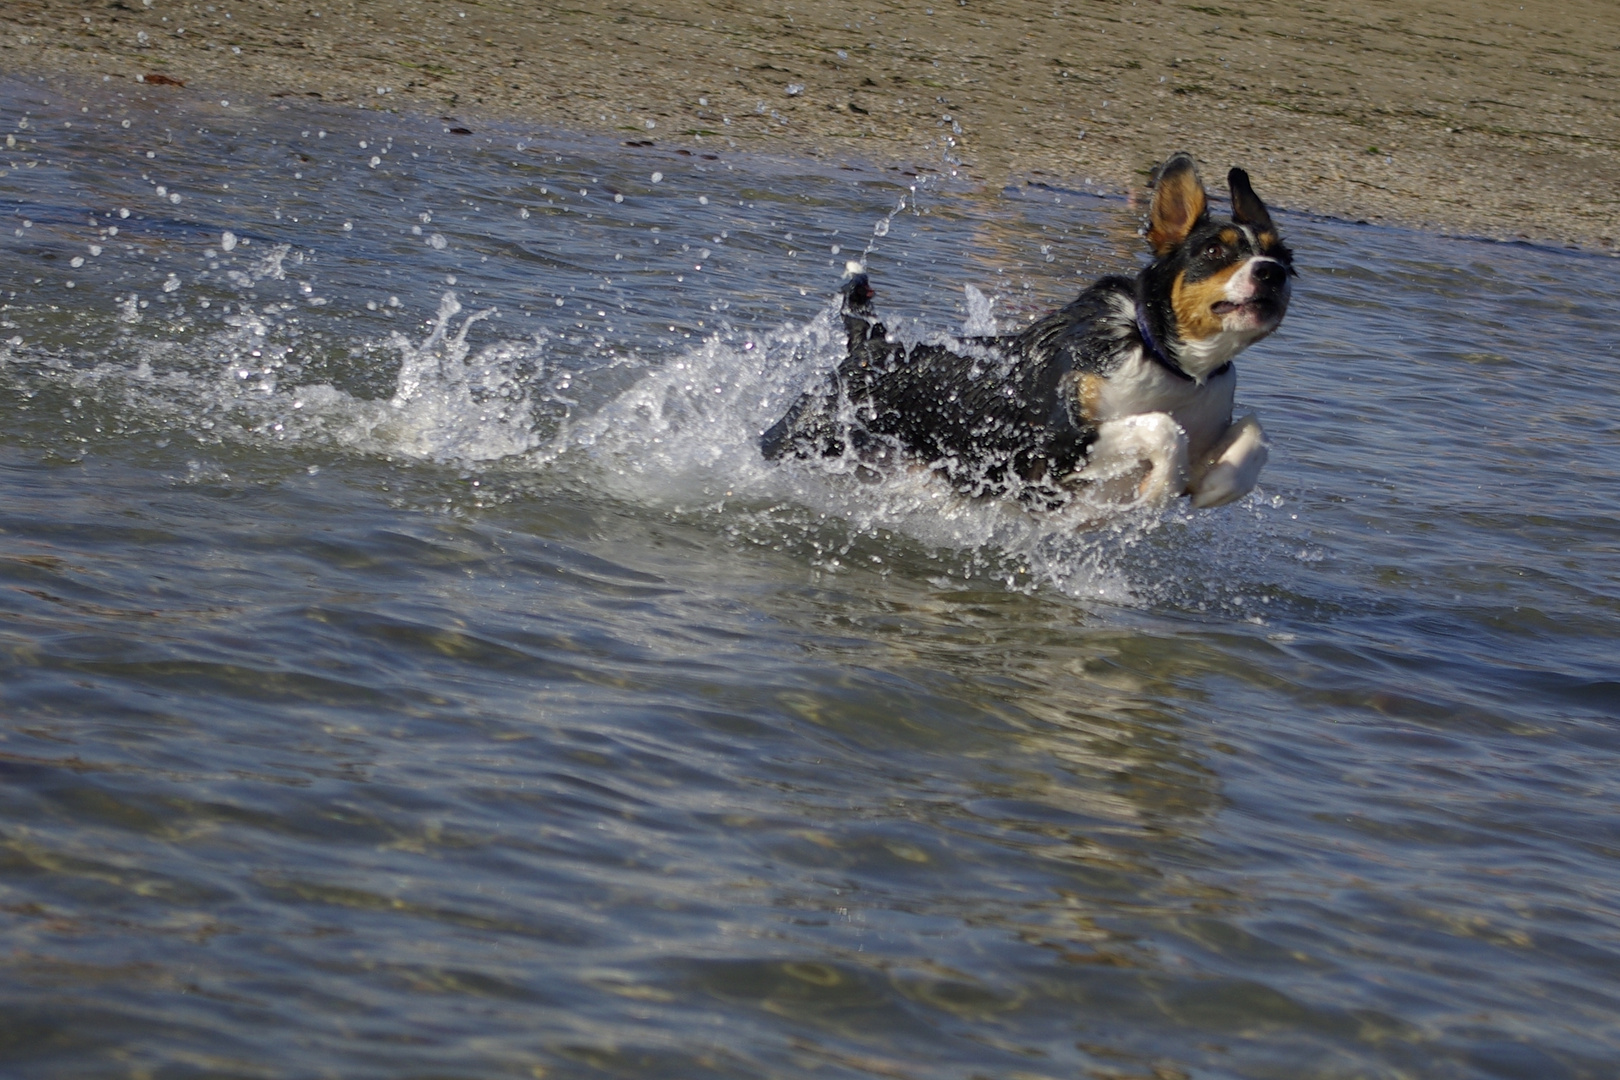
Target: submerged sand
x,y
1482,118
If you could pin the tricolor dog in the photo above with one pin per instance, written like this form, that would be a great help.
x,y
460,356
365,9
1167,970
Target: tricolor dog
x,y
1123,395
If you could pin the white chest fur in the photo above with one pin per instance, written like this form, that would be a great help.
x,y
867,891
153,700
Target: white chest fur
x,y
1140,385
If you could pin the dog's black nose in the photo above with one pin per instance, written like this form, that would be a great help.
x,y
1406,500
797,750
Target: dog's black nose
x,y
1271,274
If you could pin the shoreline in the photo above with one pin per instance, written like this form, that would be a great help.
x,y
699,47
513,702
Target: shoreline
x,y
1485,120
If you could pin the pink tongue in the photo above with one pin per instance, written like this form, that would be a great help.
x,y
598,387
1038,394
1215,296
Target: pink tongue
x,y
1224,306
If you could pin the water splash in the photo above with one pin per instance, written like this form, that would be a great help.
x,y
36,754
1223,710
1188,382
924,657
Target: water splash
x,y
450,404
980,322
249,381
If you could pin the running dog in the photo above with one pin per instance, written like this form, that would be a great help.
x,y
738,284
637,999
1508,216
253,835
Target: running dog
x,y
1124,395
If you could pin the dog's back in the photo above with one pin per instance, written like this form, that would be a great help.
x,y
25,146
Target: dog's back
x,y
991,412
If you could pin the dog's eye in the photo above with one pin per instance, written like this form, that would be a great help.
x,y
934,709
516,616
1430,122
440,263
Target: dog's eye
x,y
1214,251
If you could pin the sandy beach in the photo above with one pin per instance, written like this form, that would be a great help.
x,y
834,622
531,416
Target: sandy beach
x,y
1479,118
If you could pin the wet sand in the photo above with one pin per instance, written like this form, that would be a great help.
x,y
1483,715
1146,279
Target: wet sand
x,y
1480,118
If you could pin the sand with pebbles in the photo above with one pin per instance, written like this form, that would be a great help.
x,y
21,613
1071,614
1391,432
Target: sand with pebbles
x,y
1474,117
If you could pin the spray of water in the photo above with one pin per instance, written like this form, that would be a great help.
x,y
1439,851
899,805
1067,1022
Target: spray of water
x,y
682,438
453,405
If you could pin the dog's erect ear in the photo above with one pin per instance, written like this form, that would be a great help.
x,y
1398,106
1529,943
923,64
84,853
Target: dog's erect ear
x,y
1179,203
1247,209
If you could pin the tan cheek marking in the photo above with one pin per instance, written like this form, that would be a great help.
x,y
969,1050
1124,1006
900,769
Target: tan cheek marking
x,y
1192,301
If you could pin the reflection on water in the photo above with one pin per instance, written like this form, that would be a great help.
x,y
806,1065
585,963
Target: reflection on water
x,y
412,669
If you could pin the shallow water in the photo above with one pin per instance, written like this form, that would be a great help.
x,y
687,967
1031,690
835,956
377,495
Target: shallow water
x,y
392,689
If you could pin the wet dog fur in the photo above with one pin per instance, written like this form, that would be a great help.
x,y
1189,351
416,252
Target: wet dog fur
x,y
1125,394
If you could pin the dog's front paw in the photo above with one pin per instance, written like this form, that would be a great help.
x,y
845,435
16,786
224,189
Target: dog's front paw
x,y
1136,460
1232,468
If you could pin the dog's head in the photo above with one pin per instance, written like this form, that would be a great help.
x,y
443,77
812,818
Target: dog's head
x,y
1216,285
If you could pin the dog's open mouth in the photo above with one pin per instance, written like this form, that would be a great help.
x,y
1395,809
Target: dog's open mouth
x,y
1258,307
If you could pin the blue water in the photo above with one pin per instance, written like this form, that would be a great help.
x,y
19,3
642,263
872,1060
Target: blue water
x,y
392,689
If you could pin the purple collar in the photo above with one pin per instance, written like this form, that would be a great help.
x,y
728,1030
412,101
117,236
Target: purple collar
x,y
1151,343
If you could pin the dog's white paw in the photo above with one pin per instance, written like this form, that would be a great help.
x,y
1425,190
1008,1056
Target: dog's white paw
x,y
1232,468
1137,459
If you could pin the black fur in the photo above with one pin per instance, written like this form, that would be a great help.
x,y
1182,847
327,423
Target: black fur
x,y
991,416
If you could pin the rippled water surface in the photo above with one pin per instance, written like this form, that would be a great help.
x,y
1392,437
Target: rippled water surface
x,y
411,669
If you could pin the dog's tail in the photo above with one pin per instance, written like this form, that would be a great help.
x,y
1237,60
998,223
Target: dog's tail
x,y
810,427
860,317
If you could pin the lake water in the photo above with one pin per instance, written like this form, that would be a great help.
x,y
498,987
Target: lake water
x,y
411,669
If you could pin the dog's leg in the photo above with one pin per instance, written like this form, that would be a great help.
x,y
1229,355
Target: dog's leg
x,y
1141,458
1229,471
809,428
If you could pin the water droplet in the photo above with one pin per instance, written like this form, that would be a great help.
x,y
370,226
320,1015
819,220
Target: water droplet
x,y
227,240
76,262
795,89
703,200
658,178
524,213
437,242
171,284
881,228
618,198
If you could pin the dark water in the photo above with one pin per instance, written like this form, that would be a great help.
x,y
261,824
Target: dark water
x,y
394,690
